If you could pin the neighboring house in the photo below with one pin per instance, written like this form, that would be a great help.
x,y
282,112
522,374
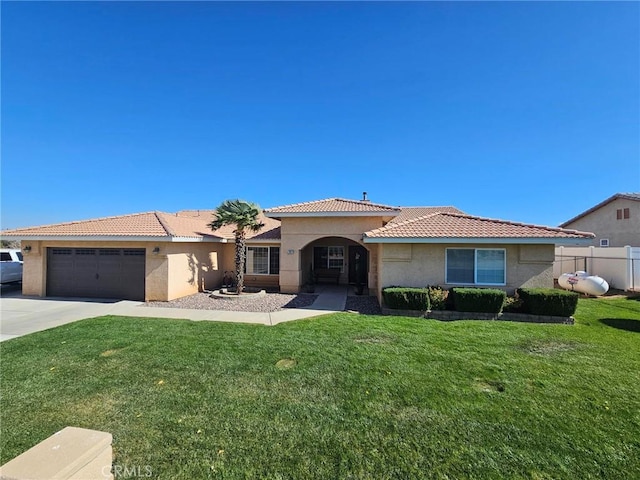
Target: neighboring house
x,y
161,256
615,221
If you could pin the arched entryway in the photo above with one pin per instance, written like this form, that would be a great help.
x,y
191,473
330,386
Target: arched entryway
x,y
337,260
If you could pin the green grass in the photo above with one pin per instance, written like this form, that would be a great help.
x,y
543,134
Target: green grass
x,y
356,397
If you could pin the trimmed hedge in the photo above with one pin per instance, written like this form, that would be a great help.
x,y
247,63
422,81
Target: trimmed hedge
x,y
406,298
482,300
548,301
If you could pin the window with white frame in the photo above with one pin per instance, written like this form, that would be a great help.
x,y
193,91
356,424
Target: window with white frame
x,y
336,257
476,266
263,261
604,242
328,257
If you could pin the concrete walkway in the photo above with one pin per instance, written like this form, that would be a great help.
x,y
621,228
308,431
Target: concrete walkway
x,y
23,315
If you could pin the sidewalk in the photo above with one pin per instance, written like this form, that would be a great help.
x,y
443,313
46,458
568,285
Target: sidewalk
x,y
23,315
331,299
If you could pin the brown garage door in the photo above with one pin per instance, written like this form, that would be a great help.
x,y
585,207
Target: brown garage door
x,y
96,272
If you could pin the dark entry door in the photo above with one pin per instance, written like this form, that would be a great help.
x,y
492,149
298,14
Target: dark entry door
x,y
358,264
96,272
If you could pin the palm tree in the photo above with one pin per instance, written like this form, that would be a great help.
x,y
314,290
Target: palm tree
x,y
244,215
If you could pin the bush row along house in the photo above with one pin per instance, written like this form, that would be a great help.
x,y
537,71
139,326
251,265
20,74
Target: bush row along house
x,y
162,256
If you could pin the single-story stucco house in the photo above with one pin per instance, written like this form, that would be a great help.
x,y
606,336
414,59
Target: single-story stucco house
x,y
163,256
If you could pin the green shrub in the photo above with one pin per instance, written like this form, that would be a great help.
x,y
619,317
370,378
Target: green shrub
x,y
406,298
482,300
548,301
437,297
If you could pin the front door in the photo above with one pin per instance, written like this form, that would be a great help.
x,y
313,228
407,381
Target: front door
x,y
358,263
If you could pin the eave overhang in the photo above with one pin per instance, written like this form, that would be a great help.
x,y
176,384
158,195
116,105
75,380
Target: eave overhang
x,y
475,240
116,238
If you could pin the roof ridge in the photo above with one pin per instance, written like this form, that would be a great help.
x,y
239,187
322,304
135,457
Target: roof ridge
x,y
338,199
510,222
428,206
164,224
201,212
75,222
366,202
301,203
391,226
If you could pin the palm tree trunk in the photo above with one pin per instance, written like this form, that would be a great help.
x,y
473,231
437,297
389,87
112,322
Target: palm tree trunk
x,y
241,257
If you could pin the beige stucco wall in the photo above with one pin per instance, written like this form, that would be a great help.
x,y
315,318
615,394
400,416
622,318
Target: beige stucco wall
x,y
603,222
297,233
192,268
419,265
179,269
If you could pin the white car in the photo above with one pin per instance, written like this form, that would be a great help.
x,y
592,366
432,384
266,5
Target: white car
x,y
10,265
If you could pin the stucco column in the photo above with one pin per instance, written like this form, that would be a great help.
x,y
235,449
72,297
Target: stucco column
x,y
156,277
34,271
290,272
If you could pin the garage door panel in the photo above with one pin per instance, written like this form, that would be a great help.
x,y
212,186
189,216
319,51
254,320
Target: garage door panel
x,y
99,273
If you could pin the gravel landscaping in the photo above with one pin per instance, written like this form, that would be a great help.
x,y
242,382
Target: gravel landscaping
x,y
271,302
364,304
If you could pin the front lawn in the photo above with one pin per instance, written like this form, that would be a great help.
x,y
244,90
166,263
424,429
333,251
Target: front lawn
x,y
341,396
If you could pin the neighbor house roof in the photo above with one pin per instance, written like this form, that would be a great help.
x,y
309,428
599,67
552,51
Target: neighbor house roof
x,y
160,226
625,196
452,227
339,207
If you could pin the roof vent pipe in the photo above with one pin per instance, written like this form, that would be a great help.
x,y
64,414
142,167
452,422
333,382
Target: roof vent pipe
x,y
364,197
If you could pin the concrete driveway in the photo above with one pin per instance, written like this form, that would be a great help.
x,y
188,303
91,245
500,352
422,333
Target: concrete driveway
x,y
21,315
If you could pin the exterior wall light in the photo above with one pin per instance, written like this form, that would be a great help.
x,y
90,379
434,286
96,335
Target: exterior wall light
x,y
26,249
156,250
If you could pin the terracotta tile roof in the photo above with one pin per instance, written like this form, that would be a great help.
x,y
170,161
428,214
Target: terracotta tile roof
x,y
444,225
270,231
333,205
407,213
626,196
146,224
185,224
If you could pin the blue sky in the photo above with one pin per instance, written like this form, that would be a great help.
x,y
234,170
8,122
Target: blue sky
x,y
521,111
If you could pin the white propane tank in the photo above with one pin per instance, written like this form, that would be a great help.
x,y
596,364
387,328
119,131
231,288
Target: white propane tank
x,y
584,283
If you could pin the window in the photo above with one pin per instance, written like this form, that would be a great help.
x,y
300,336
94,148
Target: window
x,y
604,242
481,266
336,257
263,261
328,257
623,213
5,257
460,265
274,260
